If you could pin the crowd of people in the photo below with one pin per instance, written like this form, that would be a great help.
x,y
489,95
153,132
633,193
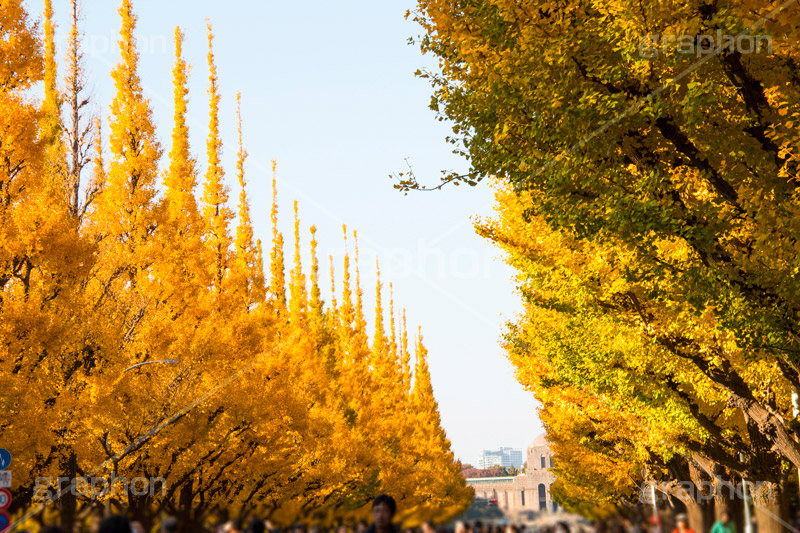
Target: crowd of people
x,y
724,524
479,527
384,508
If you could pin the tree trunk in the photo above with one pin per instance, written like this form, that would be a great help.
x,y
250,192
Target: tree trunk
x,y
766,500
189,520
726,499
743,398
68,503
700,515
700,508
141,510
789,493
736,508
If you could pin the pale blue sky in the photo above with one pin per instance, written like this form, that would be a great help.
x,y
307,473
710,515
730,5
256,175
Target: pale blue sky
x,y
328,91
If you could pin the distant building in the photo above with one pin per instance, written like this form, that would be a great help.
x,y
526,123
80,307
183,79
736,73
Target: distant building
x,y
506,457
525,492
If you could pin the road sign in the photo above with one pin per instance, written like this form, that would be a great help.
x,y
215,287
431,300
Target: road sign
x,y
5,458
5,499
5,479
5,521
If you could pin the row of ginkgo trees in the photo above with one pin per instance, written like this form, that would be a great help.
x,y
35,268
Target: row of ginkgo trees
x,y
276,404
646,157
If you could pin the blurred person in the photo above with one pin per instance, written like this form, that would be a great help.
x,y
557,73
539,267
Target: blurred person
x,y
631,527
655,524
341,529
682,524
169,525
460,527
256,526
361,527
234,525
383,510
94,523
136,526
115,524
724,524
427,527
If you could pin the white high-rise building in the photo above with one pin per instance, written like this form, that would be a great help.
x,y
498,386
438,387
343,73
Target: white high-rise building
x,y
506,457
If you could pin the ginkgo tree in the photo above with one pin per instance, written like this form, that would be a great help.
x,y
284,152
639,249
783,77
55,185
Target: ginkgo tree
x,y
680,170
146,333
591,341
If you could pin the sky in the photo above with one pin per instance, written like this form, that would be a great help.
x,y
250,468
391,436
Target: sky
x,y
329,93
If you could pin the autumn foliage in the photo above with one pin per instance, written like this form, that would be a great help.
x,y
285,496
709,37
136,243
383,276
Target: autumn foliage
x,y
277,402
649,204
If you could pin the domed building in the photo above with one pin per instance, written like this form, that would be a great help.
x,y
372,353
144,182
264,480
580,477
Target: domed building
x,y
524,492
